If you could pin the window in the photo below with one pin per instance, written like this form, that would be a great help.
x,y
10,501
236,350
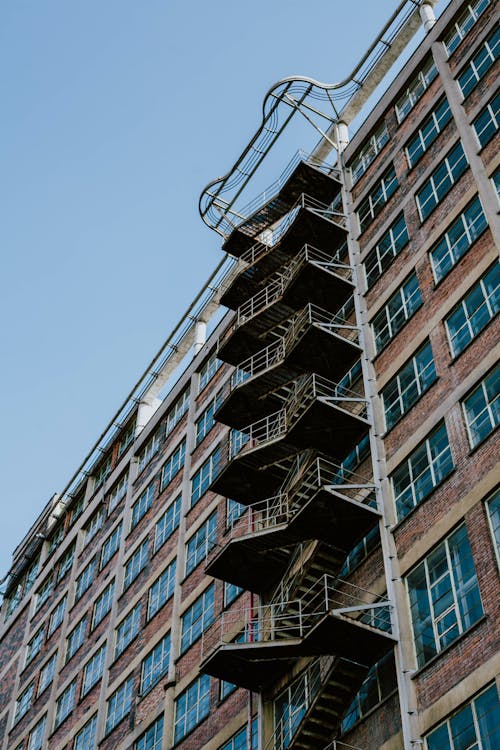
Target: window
x,y
47,674
65,563
178,410
34,646
23,703
93,670
225,689
201,543
44,592
192,706
84,580
126,438
371,148
493,508
152,737
380,258
117,493
103,604
480,63
150,449
411,382
378,685
441,181
173,465
119,704
496,183
482,408
110,545
36,735
444,596
463,24
291,705
55,539
487,122
86,737
162,589
65,703
135,564
197,618
476,725
93,525
234,510
155,665
237,440
206,421
239,740
372,205
101,472
475,311
426,467
128,629
457,240
168,523
57,616
360,551
76,638
433,124
142,505
231,592
400,307
76,509
415,90
205,475
208,370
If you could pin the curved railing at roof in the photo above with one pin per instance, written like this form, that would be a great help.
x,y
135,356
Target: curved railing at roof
x,y
283,100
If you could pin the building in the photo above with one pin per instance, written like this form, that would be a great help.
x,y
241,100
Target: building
x,y
319,565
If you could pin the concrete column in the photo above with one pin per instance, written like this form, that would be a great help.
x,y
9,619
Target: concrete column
x,y
470,145
395,588
427,15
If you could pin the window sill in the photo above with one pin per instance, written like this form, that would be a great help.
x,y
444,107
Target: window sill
x,y
437,656
391,340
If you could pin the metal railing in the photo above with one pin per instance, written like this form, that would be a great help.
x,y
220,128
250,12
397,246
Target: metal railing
x,y
304,692
294,618
282,279
301,394
275,353
282,508
273,190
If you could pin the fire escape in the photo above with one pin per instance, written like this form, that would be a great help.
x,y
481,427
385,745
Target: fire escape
x,y
297,403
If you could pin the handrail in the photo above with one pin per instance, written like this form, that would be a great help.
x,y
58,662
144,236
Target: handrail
x,y
295,618
276,352
281,508
281,279
303,94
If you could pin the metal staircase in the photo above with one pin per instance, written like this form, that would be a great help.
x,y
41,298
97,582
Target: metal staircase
x,y
298,414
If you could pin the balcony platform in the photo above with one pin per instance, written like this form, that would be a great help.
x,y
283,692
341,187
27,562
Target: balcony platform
x,y
257,560
305,178
319,349
256,666
256,326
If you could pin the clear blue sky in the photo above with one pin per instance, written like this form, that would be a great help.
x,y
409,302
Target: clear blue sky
x,y
115,114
